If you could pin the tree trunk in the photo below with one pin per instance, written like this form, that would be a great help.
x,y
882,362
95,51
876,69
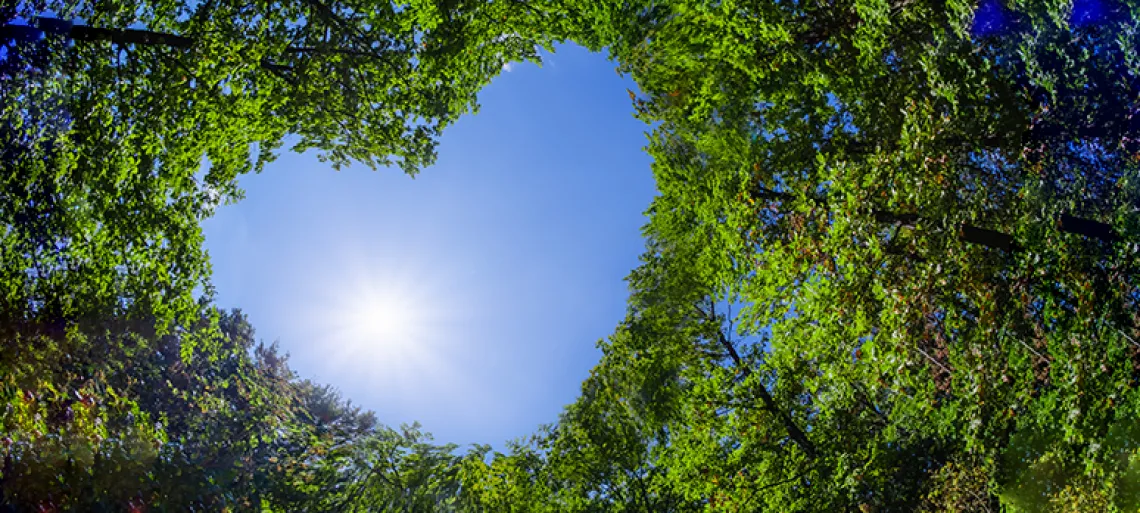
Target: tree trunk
x,y
797,435
998,240
1088,228
67,29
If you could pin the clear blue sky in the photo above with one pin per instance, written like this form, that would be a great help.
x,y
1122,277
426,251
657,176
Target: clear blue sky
x,y
471,297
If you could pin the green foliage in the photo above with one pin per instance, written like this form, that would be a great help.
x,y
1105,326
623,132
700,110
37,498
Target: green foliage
x,y
98,423
123,132
127,426
893,205
122,126
892,265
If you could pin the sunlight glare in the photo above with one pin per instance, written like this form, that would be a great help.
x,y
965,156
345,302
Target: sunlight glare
x,y
387,322
386,319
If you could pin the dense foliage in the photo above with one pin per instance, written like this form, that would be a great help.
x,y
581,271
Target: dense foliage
x,y
926,221
124,124
894,264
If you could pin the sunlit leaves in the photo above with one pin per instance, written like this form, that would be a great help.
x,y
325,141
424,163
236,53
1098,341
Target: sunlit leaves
x,y
884,192
892,264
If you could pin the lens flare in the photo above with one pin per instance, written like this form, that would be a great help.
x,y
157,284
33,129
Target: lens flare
x,y
382,324
383,318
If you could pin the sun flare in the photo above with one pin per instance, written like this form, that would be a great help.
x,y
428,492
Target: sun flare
x,y
387,321
383,318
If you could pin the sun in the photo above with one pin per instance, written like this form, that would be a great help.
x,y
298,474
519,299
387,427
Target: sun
x,y
388,325
382,318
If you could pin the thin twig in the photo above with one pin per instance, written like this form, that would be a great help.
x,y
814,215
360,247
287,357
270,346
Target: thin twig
x,y
932,360
1130,339
1031,350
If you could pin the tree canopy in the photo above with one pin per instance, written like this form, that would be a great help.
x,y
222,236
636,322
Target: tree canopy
x,y
892,265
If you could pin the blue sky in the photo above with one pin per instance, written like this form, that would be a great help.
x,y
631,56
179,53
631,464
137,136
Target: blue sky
x,y
470,298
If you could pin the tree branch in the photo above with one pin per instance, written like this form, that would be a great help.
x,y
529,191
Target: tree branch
x,y
794,431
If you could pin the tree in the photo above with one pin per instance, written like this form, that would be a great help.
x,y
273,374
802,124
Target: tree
x,y
932,222
104,423
121,423
123,132
520,480
120,133
892,265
